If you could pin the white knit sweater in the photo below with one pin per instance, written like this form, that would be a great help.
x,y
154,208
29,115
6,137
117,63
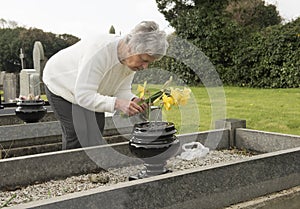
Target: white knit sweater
x,y
90,74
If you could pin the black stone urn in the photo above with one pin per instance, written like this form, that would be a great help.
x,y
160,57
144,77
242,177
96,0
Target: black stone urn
x,y
154,142
31,111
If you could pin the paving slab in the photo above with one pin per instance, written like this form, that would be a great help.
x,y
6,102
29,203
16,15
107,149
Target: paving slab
x,y
263,141
285,199
42,167
210,187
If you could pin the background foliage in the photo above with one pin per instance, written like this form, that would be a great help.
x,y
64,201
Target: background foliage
x,y
244,39
13,39
270,58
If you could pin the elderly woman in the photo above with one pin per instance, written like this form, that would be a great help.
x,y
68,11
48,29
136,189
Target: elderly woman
x,y
94,76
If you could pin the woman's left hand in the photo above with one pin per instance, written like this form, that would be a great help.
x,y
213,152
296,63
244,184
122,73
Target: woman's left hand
x,y
140,102
129,107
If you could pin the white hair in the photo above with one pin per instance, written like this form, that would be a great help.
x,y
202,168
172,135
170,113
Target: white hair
x,y
146,38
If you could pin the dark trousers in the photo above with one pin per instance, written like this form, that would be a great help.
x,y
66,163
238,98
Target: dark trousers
x,y
80,127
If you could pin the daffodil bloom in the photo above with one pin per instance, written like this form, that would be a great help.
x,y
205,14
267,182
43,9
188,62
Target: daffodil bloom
x,y
165,97
141,89
176,94
185,96
168,101
180,97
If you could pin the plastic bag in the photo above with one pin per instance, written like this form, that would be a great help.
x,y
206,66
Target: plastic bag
x,y
193,150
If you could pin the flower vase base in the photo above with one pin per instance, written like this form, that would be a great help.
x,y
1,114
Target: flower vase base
x,y
150,170
31,111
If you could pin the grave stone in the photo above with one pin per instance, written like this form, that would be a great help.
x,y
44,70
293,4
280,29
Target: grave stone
x,y
22,56
31,79
1,79
38,56
29,82
10,87
39,62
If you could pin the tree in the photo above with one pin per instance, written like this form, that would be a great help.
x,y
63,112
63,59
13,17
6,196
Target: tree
x,y
112,30
217,27
12,40
3,23
206,25
9,50
253,13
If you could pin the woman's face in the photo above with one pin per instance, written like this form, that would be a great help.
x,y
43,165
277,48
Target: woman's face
x,y
138,62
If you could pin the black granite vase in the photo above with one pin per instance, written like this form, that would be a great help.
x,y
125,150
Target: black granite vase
x,y
153,142
31,111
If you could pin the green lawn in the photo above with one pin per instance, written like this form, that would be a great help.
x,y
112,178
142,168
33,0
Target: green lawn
x,y
275,110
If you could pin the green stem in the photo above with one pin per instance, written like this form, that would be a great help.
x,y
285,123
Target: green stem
x,y
8,201
153,97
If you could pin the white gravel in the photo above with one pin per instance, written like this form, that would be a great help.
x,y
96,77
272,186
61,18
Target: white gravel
x,y
73,184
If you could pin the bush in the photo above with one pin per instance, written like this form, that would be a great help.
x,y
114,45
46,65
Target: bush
x,y
238,38
270,58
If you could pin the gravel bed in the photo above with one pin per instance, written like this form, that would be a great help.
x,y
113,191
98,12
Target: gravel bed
x,y
73,184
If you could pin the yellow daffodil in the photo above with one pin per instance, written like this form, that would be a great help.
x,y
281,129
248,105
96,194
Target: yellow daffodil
x,y
166,97
175,93
141,89
168,101
185,96
180,96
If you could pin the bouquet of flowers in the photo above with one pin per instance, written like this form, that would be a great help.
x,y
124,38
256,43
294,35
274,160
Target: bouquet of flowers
x,y
30,97
166,96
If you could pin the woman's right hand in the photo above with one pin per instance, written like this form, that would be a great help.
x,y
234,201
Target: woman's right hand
x,y
128,107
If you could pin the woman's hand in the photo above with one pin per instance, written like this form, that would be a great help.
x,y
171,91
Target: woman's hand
x,y
140,102
130,107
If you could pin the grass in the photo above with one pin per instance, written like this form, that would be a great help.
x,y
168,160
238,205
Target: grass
x,y
274,110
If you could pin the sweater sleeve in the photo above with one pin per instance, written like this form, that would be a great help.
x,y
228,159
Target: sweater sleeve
x,y
92,68
125,90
